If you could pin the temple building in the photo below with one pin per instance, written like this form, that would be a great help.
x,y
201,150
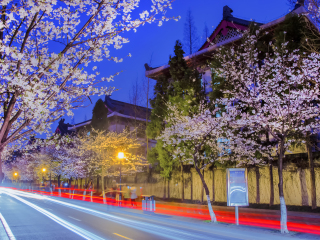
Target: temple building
x,y
229,31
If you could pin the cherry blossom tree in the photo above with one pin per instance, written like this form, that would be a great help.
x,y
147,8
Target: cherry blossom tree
x,y
60,160
23,166
67,160
106,147
278,95
46,49
195,140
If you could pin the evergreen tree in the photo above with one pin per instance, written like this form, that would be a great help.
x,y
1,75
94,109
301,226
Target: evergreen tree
x,y
159,109
158,155
184,89
100,116
187,90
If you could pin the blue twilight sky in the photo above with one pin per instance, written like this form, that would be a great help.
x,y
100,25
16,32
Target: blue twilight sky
x,y
153,44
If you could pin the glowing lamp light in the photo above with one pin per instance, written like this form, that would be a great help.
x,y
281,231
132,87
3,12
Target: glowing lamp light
x,y
43,169
16,174
121,155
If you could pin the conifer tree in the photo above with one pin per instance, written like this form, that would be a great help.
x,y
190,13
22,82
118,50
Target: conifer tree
x,y
159,109
183,88
186,90
100,116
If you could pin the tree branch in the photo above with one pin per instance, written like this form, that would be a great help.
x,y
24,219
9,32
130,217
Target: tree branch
x,y
10,139
7,115
69,45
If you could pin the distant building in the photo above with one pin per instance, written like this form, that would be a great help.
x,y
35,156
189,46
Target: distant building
x,y
63,128
122,115
229,31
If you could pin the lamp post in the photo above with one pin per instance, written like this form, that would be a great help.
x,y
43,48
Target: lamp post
x,y
15,175
50,177
43,170
120,156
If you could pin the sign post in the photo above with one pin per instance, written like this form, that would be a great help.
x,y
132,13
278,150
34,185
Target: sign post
x,y
237,189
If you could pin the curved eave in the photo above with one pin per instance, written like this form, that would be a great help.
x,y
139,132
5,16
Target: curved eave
x,y
159,71
110,115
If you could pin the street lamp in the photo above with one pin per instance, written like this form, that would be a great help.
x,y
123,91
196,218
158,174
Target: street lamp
x,y
120,156
43,170
15,175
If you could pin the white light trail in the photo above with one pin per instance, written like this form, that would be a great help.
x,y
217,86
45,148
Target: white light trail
x,y
80,231
7,228
165,232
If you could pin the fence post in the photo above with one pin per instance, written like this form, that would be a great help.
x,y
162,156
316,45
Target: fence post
x,y
91,196
104,197
59,192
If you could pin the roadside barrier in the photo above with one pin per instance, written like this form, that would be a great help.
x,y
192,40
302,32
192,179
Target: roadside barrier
x,y
148,203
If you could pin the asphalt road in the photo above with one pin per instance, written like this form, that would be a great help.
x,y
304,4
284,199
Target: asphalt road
x,y
32,216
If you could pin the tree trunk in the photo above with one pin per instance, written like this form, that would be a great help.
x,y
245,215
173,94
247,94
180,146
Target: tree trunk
x,y
168,188
182,182
312,175
283,207
202,185
191,187
1,173
59,176
271,183
102,184
213,190
164,189
212,215
271,175
257,184
97,183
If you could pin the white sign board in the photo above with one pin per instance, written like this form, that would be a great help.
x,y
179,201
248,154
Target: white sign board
x,y
237,187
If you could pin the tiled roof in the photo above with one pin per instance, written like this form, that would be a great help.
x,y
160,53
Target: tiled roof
x,y
121,109
126,108
240,21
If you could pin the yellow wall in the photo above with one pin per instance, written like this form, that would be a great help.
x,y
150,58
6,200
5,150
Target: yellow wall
x,y
297,187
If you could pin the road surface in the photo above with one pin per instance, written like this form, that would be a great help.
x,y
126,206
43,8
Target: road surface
x,y
33,216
